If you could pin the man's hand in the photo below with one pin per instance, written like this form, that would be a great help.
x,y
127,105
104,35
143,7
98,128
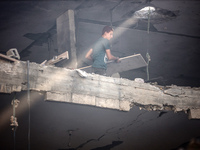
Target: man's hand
x,y
117,60
111,57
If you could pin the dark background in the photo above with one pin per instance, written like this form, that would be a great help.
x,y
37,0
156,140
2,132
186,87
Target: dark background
x,y
173,44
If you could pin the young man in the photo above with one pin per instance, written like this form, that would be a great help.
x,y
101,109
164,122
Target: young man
x,y
100,51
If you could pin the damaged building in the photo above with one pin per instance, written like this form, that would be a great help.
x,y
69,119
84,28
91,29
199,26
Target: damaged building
x,y
50,99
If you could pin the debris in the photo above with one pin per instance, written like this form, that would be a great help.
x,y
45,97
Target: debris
x,y
81,73
13,121
139,80
56,59
13,53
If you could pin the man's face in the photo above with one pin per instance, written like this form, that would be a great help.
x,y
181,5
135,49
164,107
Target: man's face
x,y
109,35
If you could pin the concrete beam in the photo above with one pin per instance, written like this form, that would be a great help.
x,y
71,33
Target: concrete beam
x,y
64,85
194,114
66,38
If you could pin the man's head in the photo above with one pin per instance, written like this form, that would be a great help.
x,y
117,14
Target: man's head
x,y
107,32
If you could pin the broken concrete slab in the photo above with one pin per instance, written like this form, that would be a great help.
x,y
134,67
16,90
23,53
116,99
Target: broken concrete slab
x,y
194,114
64,85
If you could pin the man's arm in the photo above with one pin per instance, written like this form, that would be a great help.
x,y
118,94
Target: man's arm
x,y
88,55
111,57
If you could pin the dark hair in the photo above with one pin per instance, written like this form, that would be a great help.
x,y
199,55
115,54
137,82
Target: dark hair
x,y
107,29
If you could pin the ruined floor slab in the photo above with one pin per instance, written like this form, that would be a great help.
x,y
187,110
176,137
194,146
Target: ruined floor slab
x,y
64,85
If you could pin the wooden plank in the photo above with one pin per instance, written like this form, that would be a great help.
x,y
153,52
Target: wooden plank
x,y
127,63
58,58
8,58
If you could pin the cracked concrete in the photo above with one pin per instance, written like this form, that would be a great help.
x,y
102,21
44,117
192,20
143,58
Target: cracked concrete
x,y
68,86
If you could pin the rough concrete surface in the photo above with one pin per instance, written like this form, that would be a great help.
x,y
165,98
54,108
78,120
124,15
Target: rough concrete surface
x,y
61,84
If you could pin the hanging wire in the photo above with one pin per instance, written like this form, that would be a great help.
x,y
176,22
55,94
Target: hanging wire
x,y
147,54
48,47
29,105
13,128
111,18
111,11
14,138
13,119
